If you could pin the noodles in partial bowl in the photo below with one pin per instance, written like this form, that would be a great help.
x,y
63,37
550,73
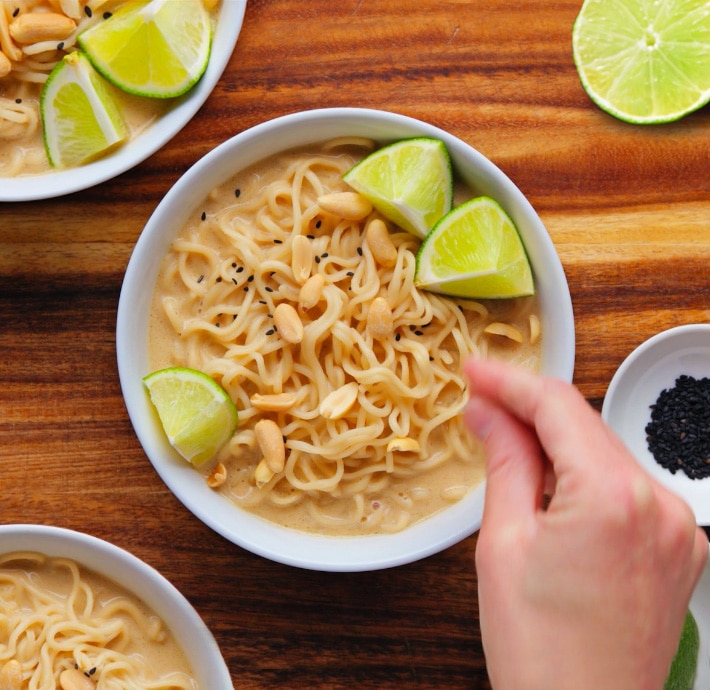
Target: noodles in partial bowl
x,y
71,601
222,267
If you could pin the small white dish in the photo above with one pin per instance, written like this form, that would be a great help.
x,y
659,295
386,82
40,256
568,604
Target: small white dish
x,y
140,579
58,183
649,369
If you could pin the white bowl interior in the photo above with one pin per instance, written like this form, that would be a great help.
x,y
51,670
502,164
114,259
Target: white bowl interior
x,y
57,183
252,533
137,577
650,368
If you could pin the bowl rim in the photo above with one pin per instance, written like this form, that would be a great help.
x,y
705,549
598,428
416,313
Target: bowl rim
x,y
649,368
52,184
317,552
137,577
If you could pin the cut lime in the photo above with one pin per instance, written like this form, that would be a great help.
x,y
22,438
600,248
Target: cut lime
x,y
80,118
409,182
155,48
644,61
685,663
197,415
475,251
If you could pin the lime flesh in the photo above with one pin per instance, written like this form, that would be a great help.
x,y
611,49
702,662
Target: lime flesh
x,y
153,48
475,251
197,415
80,117
409,182
644,61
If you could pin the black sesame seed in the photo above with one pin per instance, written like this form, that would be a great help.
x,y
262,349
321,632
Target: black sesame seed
x,y
250,279
246,288
16,11
311,237
60,45
398,337
219,279
201,278
268,289
271,331
261,301
18,101
237,193
317,259
324,255
234,280
106,15
278,241
418,332
678,434
240,269
87,11
319,223
234,264
204,215
350,274
359,251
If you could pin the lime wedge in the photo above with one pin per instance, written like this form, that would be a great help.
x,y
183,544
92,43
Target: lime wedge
x,y
475,251
685,663
80,118
155,48
644,61
197,415
409,182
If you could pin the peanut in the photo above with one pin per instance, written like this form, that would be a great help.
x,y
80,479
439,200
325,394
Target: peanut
x,y
74,679
535,329
311,292
274,402
288,323
505,330
379,319
347,205
33,27
338,402
380,243
11,675
217,476
271,443
263,473
404,445
301,258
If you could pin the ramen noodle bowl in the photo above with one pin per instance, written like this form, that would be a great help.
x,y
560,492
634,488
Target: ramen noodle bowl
x,y
70,602
25,173
360,355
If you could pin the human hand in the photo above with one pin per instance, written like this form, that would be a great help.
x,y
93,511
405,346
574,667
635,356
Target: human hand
x,y
592,590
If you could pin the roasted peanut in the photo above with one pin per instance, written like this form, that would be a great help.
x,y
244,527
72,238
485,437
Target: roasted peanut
x,y
338,402
288,323
217,476
5,65
271,443
311,292
347,205
301,258
11,675
379,319
404,445
535,329
380,243
74,679
262,473
33,27
505,330
274,402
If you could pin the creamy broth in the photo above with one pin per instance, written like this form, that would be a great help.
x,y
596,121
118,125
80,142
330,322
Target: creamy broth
x,y
233,255
57,615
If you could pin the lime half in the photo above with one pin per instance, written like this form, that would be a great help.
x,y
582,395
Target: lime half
x,y
685,663
475,251
197,415
155,48
644,61
409,182
80,118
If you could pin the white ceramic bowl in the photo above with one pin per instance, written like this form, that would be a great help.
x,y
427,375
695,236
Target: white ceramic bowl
x,y
186,626
57,183
652,367
261,537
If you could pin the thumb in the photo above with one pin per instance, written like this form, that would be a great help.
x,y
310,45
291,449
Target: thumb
x,y
515,470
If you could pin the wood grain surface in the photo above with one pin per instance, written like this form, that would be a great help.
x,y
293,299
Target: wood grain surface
x,y
627,208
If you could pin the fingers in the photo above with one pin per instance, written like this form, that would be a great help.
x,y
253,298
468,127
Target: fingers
x,y
515,471
570,431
